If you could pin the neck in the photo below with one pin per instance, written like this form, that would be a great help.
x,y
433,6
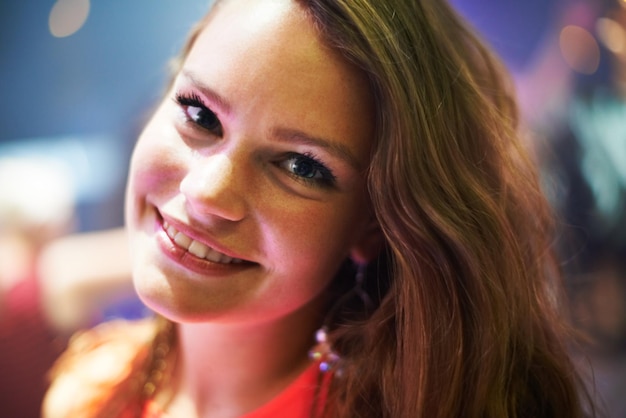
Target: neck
x,y
229,369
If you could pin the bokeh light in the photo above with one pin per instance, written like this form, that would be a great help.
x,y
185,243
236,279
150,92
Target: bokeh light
x,y
612,35
579,49
67,17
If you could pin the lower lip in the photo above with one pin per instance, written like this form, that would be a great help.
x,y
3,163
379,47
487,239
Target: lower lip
x,y
189,261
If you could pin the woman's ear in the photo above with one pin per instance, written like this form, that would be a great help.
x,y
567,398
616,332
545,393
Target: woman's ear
x,y
369,245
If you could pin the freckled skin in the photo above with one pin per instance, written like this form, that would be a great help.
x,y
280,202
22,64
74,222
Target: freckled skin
x,y
269,64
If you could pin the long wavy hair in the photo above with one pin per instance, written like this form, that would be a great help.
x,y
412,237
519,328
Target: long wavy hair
x,y
468,321
471,324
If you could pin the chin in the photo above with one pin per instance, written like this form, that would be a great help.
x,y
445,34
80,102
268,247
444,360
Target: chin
x,y
182,302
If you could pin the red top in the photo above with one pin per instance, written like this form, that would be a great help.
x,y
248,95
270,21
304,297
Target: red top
x,y
295,401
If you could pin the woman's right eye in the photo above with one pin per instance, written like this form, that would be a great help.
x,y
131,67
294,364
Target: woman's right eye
x,y
197,113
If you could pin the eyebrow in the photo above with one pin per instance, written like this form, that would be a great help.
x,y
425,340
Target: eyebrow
x,y
217,100
282,134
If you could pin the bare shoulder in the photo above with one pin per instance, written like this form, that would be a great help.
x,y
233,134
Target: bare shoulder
x,y
95,362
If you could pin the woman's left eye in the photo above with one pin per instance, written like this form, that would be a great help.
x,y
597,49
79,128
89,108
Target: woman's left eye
x,y
307,168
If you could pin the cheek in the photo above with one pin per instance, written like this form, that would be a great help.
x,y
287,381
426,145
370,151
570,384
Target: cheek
x,y
315,239
155,170
156,161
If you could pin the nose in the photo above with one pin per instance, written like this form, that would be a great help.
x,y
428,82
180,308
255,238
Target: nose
x,y
212,188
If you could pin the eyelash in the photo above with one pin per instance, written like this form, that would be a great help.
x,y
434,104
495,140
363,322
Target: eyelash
x,y
326,177
194,101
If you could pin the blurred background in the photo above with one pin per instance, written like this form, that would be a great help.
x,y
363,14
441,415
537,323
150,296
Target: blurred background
x,y
79,78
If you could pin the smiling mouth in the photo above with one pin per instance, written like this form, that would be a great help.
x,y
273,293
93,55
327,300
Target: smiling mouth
x,y
198,249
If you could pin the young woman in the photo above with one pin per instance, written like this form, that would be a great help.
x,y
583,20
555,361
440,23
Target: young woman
x,y
346,171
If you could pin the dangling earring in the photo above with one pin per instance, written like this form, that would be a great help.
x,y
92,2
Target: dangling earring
x,y
323,350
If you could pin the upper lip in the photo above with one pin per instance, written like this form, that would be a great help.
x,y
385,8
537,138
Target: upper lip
x,y
200,236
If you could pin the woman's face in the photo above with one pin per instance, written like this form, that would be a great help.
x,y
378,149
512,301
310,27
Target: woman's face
x,y
247,189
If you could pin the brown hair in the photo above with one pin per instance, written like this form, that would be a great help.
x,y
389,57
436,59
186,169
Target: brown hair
x,y
469,321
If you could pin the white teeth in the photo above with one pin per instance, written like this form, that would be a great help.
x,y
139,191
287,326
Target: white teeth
x,y
182,240
170,230
196,248
216,257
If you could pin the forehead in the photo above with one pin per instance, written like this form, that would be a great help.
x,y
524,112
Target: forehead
x,y
261,30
